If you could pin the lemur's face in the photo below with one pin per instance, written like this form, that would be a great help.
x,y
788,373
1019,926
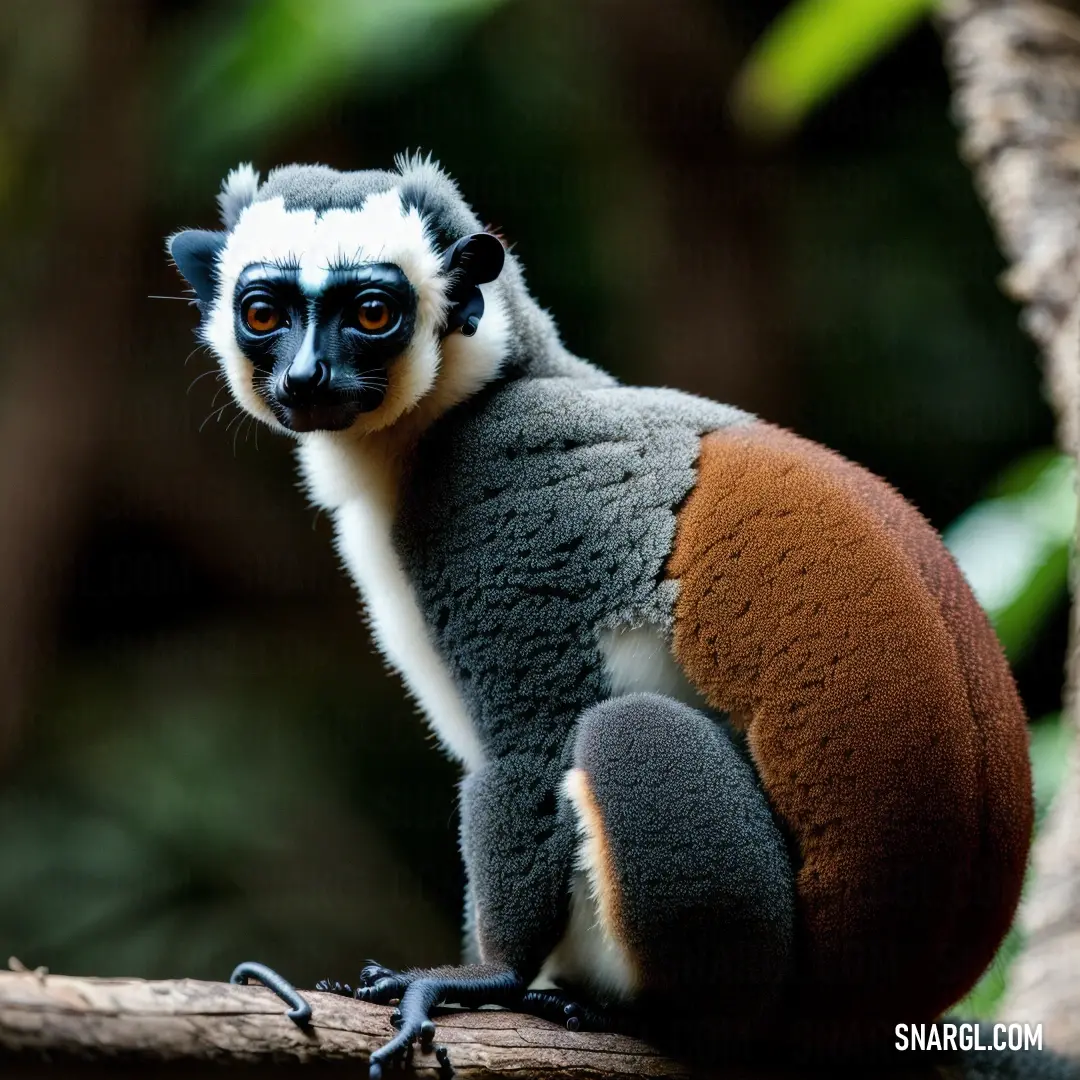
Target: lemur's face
x,y
320,348
340,320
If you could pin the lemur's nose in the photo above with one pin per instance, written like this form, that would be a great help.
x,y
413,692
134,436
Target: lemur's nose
x,y
308,372
303,378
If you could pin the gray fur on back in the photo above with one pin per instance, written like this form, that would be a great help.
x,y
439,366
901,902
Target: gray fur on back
x,y
535,515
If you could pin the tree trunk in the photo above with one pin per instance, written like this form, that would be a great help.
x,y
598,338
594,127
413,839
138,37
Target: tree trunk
x,y
68,335
1016,71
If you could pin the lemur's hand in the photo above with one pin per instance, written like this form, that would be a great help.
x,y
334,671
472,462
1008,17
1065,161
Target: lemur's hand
x,y
420,991
377,984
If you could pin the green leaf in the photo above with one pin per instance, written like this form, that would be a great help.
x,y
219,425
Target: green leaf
x,y
982,1000
810,51
1014,547
1051,738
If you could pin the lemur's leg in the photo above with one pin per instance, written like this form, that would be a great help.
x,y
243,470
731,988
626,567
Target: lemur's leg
x,y
518,845
689,878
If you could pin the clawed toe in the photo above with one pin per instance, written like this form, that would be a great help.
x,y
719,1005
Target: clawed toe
x,y
573,1017
397,1051
442,1056
414,1024
557,1006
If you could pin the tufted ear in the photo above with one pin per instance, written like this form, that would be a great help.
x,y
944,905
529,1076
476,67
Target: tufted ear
x,y
471,262
195,251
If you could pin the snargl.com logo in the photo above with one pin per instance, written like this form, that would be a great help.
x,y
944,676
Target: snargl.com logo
x,y
968,1035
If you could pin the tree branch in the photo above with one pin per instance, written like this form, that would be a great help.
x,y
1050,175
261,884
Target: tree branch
x,y
130,1021
1016,71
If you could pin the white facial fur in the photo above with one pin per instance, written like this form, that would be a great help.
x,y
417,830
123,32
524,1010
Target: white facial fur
x,y
437,374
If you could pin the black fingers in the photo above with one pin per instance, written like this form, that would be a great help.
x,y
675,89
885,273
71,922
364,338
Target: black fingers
x,y
377,984
300,1011
561,1008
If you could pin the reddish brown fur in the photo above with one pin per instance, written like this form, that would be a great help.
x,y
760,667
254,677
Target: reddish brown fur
x,y
882,718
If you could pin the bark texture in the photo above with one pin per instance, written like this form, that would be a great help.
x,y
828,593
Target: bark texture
x,y
1016,71
130,1021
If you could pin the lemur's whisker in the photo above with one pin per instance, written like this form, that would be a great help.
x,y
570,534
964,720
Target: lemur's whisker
x,y
211,371
198,348
214,415
243,418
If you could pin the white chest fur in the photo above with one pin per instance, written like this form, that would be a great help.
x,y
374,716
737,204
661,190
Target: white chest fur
x,y
360,490
399,629
638,660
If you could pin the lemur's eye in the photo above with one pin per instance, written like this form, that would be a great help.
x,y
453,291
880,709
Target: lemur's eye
x,y
262,317
373,314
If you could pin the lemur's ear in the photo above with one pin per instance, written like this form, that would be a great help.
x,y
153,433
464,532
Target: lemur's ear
x,y
194,251
471,262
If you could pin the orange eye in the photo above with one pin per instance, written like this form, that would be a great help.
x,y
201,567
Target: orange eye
x,y
262,317
373,315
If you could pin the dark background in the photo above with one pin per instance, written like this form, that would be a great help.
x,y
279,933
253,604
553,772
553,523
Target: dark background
x,y
201,759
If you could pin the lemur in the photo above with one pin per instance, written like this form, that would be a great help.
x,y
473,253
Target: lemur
x,y
742,758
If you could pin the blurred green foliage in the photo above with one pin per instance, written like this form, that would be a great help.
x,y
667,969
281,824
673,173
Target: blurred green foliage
x,y
1015,546
192,805
812,49
265,64
1051,738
